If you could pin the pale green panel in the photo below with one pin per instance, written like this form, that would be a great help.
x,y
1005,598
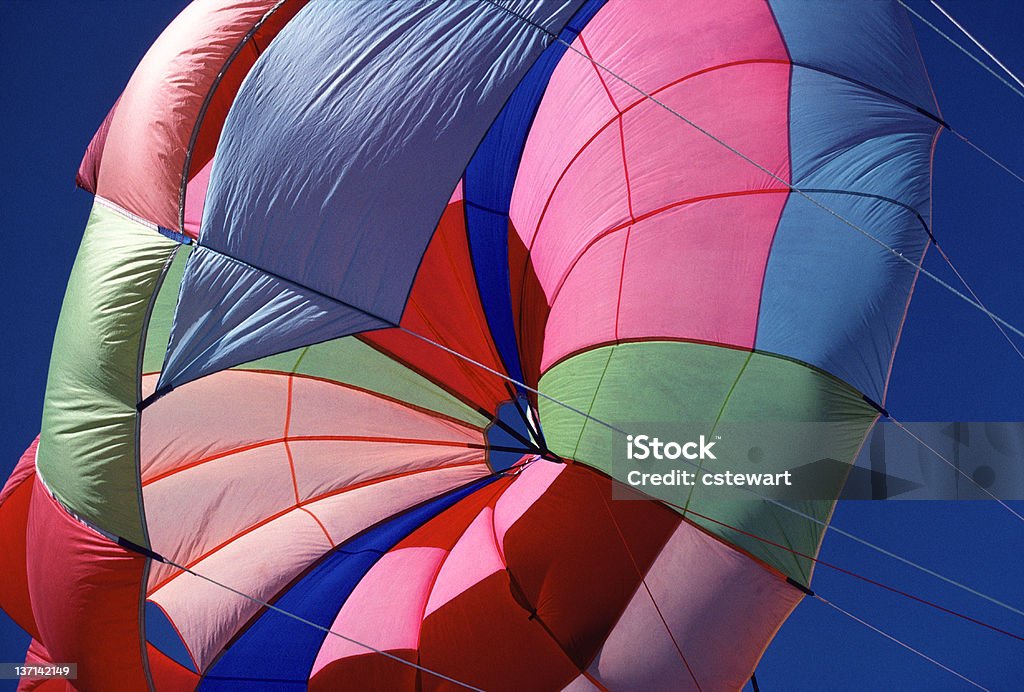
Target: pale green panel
x,y
350,361
159,331
637,386
87,444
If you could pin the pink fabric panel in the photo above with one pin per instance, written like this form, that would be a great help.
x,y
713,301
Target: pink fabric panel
x,y
346,514
575,108
746,106
586,304
322,408
531,483
192,512
590,198
733,80
206,615
222,412
713,32
195,199
325,466
714,599
144,155
679,280
473,558
385,610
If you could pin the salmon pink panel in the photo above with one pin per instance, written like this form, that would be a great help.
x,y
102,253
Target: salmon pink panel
x,y
223,412
143,158
590,198
592,280
324,466
385,610
206,615
575,110
86,593
326,408
473,558
655,42
714,599
194,510
746,106
195,199
345,514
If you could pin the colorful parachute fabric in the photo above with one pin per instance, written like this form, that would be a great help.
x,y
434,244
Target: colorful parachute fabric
x,y
356,271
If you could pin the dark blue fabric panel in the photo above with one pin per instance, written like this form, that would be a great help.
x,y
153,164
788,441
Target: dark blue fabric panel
x,y
162,634
488,183
277,651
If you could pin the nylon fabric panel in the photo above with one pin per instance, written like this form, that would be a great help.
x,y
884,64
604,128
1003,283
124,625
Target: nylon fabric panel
x,y
86,597
144,148
352,101
871,42
712,599
254,315
87,448
660,382
278,649
833,297
15,501
444,306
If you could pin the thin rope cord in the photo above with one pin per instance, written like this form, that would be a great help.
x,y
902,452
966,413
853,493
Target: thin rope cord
x,y
976,42
963,50
326,630
906,646
765,170
953,466
987,155
949,262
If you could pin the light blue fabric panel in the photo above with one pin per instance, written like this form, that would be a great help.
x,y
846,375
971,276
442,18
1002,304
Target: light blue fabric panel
x,y
832,297
255,315
870,41
339,154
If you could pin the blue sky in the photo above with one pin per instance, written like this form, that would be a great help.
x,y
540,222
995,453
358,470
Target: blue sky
x,y
67,62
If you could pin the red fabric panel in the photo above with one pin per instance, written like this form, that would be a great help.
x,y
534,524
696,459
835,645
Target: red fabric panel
x,y
529,308
168,674
569,559
89,169
482,638
367,672
85,593
445,307
14,508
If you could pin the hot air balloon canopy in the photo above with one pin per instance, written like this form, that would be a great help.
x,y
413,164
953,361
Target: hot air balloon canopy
x,y
364,290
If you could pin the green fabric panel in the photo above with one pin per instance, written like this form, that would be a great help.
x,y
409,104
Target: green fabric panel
x,y
87,447
350,361
159,331
635,385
